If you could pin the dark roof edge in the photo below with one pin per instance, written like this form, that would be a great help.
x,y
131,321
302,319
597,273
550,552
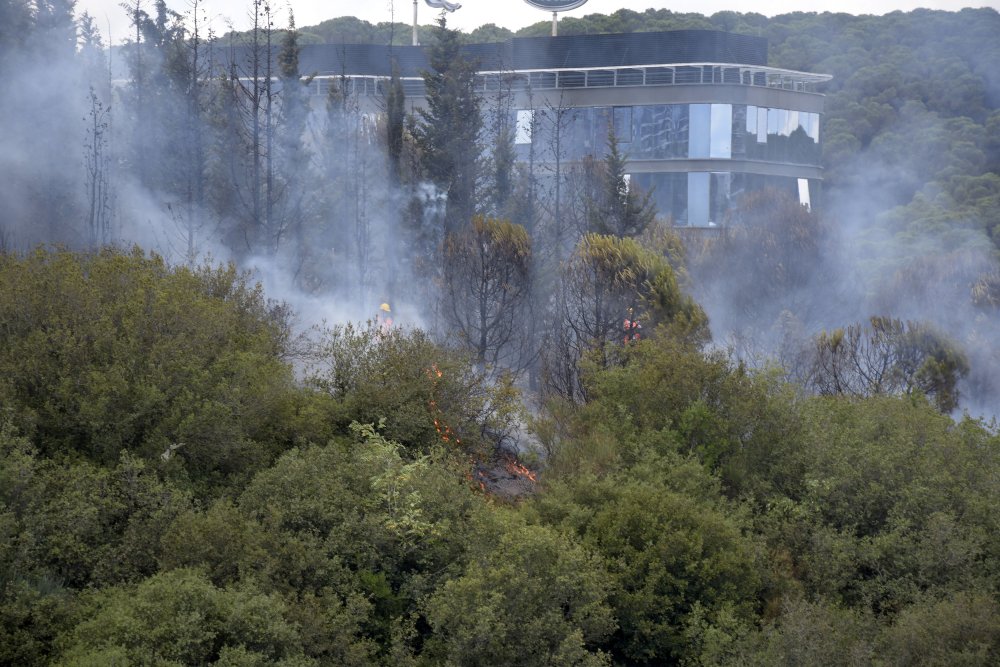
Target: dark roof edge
x,y
563,52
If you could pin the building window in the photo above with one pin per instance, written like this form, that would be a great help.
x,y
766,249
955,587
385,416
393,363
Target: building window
x,y
667,190
722,131
812,127
740,131
700,131
660,131
623,124
721,197
804,197
698,203
524,126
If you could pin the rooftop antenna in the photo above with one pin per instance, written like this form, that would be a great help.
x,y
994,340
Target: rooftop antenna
x,y
555,6
436,4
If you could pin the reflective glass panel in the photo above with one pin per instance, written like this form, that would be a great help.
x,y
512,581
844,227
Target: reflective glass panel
x,y
700,131
587,132
740,131
523,127
722,131
698,199
775,121
804,197
813,126
791,123
660,131
668,191
623,124
721,201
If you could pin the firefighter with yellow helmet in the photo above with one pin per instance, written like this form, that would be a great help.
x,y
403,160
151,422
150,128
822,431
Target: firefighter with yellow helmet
x,y
384,317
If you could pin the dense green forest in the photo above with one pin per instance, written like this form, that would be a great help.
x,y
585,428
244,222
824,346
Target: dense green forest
x,y
170,494
773,470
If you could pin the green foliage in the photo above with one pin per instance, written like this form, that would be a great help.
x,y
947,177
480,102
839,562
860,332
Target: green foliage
x,y
882,499
526,597
153,509
220,540
700,405
80,524
362,506
617,209
116,351
450,125
180,618
612,289
671,547
487,285
351,30
873,508
962,629
401,379
889,357
806,633
33,612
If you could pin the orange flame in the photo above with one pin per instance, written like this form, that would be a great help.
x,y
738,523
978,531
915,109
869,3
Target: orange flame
x,y
443,430
515,468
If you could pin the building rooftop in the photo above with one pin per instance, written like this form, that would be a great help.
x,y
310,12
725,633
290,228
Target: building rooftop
x,y
677,57
546,53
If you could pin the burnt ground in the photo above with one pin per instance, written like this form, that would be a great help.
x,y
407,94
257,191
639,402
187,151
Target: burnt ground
x,y
505,476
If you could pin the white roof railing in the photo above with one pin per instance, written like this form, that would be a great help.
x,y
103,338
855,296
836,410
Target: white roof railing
x,y
604,77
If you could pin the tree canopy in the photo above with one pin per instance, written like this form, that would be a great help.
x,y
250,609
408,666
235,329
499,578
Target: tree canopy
x,y
188,479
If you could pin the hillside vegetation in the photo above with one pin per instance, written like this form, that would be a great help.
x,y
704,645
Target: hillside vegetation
x,y
169,495
604,444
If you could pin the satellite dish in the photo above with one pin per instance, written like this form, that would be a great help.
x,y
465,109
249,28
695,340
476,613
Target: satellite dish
x,y
556,5
444,4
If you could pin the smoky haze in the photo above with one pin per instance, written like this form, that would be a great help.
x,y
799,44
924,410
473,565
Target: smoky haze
x,y
187,159
907,223
168,147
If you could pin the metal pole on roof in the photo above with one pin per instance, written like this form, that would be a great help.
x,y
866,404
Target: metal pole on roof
x,y
416,39
555,24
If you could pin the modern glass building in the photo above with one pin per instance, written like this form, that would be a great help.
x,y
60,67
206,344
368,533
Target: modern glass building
x,y
699,114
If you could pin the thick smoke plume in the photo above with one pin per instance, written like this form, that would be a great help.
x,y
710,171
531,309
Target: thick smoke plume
x,y
780,277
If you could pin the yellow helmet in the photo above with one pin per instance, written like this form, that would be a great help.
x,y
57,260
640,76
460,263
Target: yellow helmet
x,y
385,307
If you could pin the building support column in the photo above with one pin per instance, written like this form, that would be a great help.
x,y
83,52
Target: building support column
x,y
416,39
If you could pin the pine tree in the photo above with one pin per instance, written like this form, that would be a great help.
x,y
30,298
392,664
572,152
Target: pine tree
x,y
450,127
292,154
395,109
15,23
488,283
617,209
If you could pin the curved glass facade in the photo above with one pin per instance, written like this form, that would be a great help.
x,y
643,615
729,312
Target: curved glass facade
x,y
675,131
775,135
704,199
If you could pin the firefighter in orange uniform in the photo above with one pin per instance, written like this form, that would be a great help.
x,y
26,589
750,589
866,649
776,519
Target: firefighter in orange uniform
x,y
631,328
